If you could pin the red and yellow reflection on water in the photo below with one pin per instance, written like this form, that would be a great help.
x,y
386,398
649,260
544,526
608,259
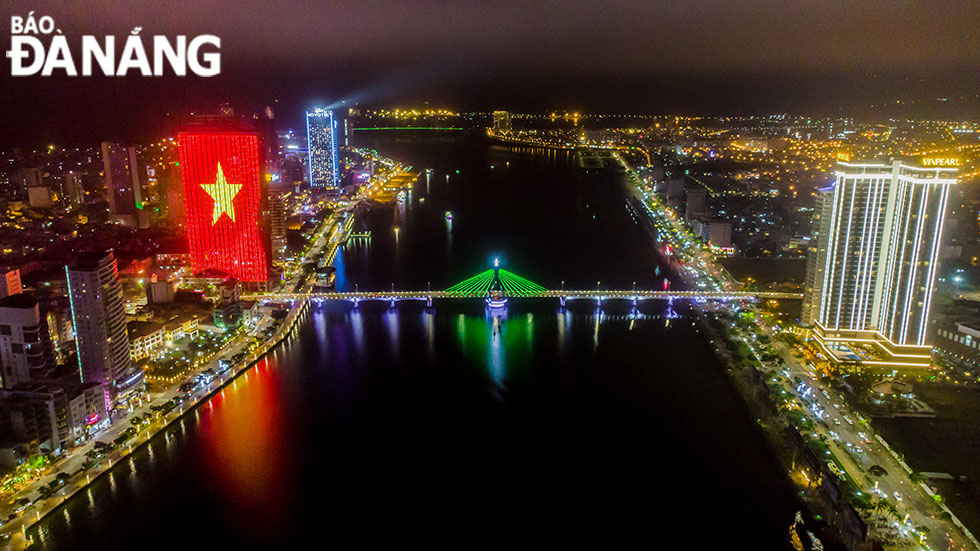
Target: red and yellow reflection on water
x,y
247,448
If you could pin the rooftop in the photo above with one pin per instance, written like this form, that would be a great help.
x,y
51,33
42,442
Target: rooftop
x,y
137,329
20,300
90,260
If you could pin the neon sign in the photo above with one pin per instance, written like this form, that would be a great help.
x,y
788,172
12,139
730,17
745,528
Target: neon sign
x,y
940,162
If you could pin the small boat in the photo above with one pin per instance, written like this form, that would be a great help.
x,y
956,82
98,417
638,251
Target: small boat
x,y
449,215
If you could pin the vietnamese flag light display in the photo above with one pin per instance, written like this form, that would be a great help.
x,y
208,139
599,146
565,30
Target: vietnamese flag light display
x,y
222,177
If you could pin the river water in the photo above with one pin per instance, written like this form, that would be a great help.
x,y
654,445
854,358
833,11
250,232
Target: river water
x,y
453,426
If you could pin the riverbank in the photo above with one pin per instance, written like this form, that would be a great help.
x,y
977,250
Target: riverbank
x,y
840,524
21,538
829,451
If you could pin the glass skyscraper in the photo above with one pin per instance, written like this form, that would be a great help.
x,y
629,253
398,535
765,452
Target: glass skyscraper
x,y
321,132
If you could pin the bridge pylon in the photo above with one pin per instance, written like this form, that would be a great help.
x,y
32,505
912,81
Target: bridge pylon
x,y
496,297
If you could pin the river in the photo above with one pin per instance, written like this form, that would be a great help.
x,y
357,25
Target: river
x,y
452,426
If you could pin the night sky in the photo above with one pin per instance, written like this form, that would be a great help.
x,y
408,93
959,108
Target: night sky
x,y
868,59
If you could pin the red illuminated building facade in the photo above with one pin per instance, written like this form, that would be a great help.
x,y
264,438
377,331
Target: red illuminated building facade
x,y
221,166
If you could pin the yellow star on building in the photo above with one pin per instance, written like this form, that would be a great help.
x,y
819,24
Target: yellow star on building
x,y
223,194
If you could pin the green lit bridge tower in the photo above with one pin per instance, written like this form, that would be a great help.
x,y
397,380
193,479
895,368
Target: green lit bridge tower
x,y
495,286
496,296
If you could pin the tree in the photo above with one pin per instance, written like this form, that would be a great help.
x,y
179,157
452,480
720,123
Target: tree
x,y
916,477
878,471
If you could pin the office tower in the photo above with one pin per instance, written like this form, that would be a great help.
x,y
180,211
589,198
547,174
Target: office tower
x,y
882,234
321,136
277,223
99,315
25,349
224,196
501,122
696,203
122,184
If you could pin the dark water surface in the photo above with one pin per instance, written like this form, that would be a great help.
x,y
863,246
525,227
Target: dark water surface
x,y
449,426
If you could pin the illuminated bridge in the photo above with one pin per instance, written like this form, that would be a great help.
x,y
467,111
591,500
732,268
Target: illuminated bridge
x,y
496,285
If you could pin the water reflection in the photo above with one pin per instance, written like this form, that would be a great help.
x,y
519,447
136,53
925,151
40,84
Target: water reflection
x,y
247,448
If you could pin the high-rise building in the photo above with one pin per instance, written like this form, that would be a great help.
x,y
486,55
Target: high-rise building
x,y
321,136
176,208
277,223
816,255
720,234
23,178
39,197
224,195
501,122
160,286
36,415
122,184
265,123
99,316
696,203
73,194
25,349
877,252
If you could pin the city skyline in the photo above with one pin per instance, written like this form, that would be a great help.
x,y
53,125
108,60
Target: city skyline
x,y
267,266
711,60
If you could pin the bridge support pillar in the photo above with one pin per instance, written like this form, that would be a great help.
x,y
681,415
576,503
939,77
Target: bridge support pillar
x,y
356,301
635,302
392,303
428,302
561,300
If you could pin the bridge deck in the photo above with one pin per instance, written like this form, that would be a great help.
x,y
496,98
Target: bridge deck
x,y
549,293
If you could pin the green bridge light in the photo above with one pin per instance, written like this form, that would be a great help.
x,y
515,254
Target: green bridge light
x,y
514,285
